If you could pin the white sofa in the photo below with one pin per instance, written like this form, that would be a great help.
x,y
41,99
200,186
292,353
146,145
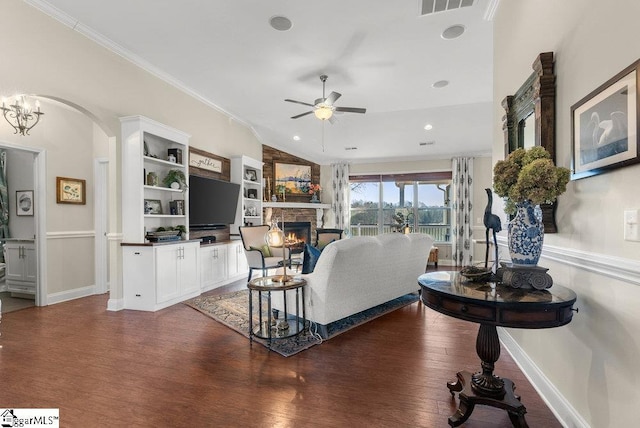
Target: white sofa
x,y
359,273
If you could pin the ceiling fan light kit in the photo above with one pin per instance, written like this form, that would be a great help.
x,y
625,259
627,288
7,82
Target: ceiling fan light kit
x,y
323,108
323,112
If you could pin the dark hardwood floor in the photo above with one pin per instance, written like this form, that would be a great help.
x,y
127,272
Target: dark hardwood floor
x,y
179,368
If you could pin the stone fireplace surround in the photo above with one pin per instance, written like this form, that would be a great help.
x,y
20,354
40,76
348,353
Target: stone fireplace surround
x,y
297,212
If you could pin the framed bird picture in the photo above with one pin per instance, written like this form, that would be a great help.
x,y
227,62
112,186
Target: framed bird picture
x,y
70,191
605,126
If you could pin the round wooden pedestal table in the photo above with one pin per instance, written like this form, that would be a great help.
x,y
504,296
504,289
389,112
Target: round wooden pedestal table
x,y
492,305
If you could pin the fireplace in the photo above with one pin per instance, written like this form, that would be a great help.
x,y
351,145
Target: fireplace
x,y
297,234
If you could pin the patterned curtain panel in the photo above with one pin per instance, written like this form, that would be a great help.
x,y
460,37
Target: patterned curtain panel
x,y
4,201
340,203
462,211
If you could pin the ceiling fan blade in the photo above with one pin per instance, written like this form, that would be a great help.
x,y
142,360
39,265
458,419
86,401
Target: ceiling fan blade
x,y
302,114
299,102
351,109
333,96
332,119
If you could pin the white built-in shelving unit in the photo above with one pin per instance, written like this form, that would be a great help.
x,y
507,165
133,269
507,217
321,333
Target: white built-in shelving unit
x,y
248,173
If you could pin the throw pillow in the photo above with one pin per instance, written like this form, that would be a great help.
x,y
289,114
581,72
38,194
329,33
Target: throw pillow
x,y
309,258
265,250
322,244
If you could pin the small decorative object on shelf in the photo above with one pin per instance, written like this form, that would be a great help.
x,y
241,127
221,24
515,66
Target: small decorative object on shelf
x,y
177,155
314,191
175,176
152,179
250,174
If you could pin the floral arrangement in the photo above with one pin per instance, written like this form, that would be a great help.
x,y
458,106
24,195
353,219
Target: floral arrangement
x,y
314,188
529,175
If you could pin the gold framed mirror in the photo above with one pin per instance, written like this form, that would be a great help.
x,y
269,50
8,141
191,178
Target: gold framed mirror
x,y
530,119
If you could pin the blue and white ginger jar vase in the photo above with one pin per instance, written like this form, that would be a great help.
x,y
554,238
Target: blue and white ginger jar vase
x,y
526,234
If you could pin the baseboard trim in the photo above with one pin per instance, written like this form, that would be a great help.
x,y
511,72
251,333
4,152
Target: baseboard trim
x,y
559,405
115,305
65,296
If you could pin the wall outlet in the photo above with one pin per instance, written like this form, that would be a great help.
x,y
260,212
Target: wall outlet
x,y
631,226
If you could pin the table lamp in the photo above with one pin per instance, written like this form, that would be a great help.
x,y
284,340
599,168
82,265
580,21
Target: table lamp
x,y
276,238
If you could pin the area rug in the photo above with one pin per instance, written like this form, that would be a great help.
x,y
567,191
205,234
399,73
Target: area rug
x,y
231,309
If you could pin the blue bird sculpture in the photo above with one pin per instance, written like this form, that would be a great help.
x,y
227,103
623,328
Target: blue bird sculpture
x,y
491,221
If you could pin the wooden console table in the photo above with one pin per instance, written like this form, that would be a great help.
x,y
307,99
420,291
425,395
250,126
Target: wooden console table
x,y
491,306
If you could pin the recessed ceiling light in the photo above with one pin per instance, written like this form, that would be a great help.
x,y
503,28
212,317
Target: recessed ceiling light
x,y
296,138
280,23
440,84
428,127
453,32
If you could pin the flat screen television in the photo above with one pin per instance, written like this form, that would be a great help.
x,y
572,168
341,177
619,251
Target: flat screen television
x,y
212,203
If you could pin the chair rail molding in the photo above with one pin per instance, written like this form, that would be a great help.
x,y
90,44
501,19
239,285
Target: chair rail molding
x,y
71,234
627,270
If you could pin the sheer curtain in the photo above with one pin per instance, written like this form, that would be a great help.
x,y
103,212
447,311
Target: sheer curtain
x,y
462,211
340,202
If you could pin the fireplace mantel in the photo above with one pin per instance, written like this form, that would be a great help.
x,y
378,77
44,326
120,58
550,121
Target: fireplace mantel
x,y
319,210
308,205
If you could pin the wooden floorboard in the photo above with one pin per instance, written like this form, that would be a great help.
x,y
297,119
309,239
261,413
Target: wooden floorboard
x,y
177,367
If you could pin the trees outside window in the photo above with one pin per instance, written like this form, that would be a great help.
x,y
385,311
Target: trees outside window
x,y
385,204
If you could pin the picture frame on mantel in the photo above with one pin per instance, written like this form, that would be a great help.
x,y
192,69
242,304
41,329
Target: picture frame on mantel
x,y
605,126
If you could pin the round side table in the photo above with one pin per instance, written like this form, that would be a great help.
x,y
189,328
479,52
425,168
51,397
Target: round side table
x,y
492,305
269,326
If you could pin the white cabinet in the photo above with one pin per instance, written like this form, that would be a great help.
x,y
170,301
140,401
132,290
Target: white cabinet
x,y
157,276
149,151
213,262
21,270
237,266
248,173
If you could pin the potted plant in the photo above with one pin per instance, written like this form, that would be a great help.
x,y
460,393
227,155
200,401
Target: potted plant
x,y
526,179
175,179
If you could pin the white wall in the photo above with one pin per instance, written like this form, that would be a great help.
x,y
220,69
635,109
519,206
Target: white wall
x,y
587,369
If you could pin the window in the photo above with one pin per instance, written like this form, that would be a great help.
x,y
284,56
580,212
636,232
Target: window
x,y
390,203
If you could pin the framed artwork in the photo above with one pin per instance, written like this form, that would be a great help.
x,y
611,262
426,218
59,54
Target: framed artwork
x,y
24,202
294,179
251,174
605,126
71,191
252,193
152,206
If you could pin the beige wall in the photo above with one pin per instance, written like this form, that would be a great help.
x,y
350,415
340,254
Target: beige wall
x,y
588,369
44,57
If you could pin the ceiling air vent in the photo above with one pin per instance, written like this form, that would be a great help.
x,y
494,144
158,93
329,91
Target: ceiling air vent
x,y
435,6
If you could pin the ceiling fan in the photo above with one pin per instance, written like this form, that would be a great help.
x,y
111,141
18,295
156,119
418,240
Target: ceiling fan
x,y
323,108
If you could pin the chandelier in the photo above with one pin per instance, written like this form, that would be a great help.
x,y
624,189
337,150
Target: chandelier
x,y
20,115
